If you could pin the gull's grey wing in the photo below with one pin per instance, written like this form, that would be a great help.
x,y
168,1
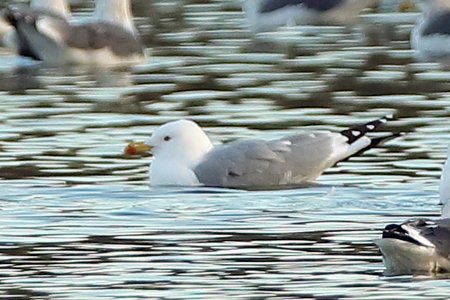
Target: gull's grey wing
x,y
255,163
436,232
438,22
292,160
318,5
439,235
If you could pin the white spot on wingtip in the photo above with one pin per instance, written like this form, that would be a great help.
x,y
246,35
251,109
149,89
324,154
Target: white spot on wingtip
x,y
386,118
370,127
356,132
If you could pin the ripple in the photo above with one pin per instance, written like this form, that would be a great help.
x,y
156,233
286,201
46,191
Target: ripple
x,y
78,220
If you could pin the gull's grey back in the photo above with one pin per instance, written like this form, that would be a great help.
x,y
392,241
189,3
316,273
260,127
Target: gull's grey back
x,y
438,234
255,163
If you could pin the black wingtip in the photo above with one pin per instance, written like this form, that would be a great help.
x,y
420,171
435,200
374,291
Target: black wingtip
x,y
355,133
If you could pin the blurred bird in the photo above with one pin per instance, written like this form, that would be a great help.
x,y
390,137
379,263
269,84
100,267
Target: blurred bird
x,y
430,37
8,34
266,15
109,39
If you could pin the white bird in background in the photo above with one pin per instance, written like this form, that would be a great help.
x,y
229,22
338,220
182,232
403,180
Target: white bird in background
x,y
109,39
8,34
420,245
266,15
430,37
184,155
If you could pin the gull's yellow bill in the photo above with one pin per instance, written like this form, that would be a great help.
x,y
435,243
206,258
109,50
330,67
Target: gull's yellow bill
x,y
136,148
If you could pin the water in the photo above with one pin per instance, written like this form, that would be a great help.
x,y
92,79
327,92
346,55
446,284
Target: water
x,y
78,220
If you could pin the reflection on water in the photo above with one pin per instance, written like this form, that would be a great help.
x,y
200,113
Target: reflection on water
x,y
78,220
127,241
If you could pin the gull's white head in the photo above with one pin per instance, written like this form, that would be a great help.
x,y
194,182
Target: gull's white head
x,y
177,148
58,7
444,187
182,141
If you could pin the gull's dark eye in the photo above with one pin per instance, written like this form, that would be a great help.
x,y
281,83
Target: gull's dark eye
x,y
167,138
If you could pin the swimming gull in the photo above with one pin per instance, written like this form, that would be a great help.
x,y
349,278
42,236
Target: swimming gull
x,y
109,40
266,15
184,155
9,37
430,37
420,245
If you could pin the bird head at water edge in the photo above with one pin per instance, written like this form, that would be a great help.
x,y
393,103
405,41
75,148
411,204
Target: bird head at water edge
x,y
420,245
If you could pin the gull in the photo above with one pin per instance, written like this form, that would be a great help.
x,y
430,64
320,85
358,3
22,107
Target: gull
x,y
110,39
185,156
266,15
8,34
416,246
430,37
420,245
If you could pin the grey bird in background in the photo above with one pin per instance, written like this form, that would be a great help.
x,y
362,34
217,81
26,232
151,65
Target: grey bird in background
x,y
267,15
109,39
8,34
430,37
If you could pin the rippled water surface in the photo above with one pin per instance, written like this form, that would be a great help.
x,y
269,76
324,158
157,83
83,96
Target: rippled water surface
x,y
78,220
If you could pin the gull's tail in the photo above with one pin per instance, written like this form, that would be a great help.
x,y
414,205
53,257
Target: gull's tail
x,y
355,133
359,141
